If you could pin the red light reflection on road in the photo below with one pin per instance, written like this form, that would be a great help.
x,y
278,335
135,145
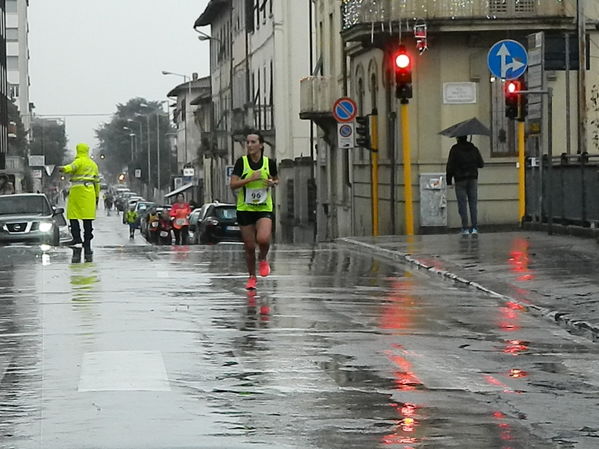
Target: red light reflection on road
x,y
519,260
398,314
515,347
510,315
405,380
517,373
404,427
505,433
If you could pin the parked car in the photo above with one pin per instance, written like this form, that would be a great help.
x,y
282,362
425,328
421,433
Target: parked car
x,y
194,217
30,218
217,222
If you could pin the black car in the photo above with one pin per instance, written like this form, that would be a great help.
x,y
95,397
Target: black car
x,y
217,222
30,218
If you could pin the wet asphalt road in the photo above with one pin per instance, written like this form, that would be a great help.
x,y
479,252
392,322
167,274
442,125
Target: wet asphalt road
x,y
161,347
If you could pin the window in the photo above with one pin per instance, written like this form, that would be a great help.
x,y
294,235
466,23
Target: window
x,y
12,35
503,130
12,63
13,90
11,6
249,15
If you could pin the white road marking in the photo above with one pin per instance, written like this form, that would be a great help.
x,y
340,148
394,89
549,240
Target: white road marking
x,y
123,371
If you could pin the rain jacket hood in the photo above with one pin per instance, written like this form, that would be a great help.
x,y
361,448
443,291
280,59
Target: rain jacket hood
x,y
82,150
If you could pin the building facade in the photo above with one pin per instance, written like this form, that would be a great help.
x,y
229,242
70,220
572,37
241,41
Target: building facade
x,y
258,55
3,88
17,46
451,83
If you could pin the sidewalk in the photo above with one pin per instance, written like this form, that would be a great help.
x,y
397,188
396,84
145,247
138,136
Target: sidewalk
x,y
556,277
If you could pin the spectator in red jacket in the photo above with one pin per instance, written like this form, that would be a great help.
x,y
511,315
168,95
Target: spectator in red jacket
x,y
179,214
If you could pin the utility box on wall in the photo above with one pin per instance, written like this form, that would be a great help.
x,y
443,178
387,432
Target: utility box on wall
x,y
433,200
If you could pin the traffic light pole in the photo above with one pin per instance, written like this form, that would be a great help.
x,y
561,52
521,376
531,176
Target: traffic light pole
x,y
521,173
374,157
407,168
549,93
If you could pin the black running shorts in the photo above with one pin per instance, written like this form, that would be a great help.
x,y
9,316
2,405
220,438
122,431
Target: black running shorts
x,y
248,218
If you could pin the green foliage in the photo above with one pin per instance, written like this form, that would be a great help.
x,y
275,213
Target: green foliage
x,y
123,146
48,137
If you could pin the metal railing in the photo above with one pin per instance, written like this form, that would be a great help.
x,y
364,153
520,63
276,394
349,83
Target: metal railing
x,y
565,193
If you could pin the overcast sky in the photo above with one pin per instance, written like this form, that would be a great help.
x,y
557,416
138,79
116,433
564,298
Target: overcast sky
x,y
86,56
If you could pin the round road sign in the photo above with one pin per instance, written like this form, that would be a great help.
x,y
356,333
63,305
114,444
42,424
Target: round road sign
x,y
345,109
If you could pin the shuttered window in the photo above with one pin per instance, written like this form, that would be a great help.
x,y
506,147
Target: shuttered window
x,y
512,7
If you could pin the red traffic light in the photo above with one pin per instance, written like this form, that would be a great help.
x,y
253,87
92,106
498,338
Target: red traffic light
x,y
512,87
402,60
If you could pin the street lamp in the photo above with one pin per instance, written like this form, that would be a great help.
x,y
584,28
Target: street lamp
x,y
159,112
131,134
147,116
187,101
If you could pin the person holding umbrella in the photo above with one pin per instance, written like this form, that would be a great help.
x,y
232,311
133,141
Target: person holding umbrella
x,y
462,166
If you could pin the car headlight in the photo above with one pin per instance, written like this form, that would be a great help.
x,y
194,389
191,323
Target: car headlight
x,y
46,226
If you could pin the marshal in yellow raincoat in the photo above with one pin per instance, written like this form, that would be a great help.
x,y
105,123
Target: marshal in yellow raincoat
x,y
85,186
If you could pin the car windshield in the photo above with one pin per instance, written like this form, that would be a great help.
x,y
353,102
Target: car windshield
x,y
227,213
19,205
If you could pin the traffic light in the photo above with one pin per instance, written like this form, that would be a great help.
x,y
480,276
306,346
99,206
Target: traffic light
x,y
512,98
363,131
402,64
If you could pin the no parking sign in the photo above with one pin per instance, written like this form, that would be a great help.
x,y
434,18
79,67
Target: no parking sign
x,y
345,135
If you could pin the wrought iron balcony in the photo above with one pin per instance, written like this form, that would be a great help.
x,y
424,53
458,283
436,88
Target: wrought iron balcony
x,y
385,12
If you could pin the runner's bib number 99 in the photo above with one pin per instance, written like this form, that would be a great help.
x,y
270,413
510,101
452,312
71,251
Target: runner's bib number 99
x,y
255,196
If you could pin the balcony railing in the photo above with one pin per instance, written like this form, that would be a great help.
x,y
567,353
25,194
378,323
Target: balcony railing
x,y
355,12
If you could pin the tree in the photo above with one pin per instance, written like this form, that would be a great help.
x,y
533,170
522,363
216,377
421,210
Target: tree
x,y
48,138
123,147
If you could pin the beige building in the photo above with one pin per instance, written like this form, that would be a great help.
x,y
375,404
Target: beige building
x,y
451,83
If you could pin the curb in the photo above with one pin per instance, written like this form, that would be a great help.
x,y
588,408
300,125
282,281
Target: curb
x,y
576,326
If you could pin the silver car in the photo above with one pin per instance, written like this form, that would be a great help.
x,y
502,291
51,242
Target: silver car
x,y
29,218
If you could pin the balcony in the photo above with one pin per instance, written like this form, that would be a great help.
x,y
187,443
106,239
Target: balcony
x,y
317,96
490,14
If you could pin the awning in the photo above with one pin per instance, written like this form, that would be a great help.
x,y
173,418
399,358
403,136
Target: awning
x,y
179,190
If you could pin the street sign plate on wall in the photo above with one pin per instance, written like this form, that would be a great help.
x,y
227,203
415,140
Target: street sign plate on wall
x,y
345,110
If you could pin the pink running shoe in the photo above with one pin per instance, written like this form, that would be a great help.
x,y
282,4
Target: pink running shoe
x,y
251,283
264,268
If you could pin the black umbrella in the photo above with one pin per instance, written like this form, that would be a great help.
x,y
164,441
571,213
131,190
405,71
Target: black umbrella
x,y
466,128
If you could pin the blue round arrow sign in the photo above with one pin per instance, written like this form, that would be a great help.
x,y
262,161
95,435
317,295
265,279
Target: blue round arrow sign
x,y
507,59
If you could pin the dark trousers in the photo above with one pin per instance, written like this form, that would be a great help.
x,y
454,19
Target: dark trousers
x,y
181,235
87,233
466,192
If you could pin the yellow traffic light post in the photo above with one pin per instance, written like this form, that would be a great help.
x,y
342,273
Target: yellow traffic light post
x,y
515,108
402,63
367,137
374,157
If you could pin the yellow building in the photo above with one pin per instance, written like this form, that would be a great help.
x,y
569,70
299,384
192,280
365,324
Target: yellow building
x,y
451,83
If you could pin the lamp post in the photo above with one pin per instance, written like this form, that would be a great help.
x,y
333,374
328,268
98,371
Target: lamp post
x,y
131,135
187,100
130,120
147,116
158,114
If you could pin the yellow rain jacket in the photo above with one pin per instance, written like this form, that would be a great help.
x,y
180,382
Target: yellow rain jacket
x,y
85,186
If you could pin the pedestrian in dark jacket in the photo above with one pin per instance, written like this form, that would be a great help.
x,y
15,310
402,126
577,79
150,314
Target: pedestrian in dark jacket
x,y
462,166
